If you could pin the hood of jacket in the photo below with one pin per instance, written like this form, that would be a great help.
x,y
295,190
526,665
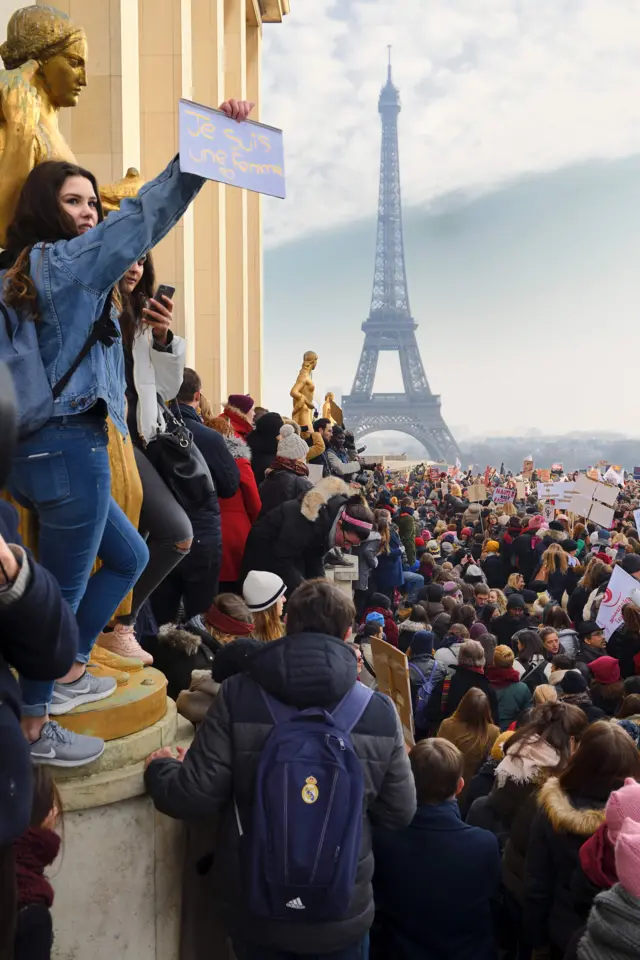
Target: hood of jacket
x,y
563,815
239,449
554,536
305,669
320,495
241,426
411,626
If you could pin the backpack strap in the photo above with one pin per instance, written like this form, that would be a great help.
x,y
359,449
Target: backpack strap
x,y
280,712
103,331
413,666
348,712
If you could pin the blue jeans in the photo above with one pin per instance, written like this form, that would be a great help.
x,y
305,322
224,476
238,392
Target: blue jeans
x,y
247,951
62,472
414,582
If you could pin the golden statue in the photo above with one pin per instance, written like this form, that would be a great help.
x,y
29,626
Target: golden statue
x,y
303,390
331,410
45,56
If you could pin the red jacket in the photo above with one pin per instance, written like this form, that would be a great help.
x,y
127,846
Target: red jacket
x,y
241,427
238,512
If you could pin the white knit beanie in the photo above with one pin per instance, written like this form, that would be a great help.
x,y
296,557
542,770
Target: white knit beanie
x,y
291,446
262,589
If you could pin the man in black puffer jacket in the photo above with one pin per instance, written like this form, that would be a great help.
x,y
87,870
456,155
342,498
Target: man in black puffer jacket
x,y
310,667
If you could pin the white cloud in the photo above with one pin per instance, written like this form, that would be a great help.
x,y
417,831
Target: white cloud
x,y
491,89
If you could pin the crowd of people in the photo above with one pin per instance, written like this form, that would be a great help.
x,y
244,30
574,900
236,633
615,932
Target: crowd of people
x,y
511,828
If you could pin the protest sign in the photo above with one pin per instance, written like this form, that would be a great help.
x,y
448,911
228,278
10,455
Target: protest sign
x,y
620,589
548,491
636,473
615,475
476,493
444,487
434,474
636,517
248,154
521,490
503,495
606,494
315,472
392,673
548,511
585,485
601,515
487,475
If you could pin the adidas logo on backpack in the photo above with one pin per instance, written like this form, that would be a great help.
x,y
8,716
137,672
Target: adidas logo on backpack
x,y
296,904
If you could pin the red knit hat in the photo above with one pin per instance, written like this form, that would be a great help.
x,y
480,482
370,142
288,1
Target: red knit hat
x,y
622,803
628,857
419,542
605,669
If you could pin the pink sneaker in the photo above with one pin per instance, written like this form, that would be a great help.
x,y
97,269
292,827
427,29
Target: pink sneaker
x,y
122,641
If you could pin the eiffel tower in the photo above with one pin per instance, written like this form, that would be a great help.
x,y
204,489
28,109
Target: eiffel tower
x,y
390,325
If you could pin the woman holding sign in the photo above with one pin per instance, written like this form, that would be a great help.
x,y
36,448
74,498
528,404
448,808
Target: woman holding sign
x,y
62,262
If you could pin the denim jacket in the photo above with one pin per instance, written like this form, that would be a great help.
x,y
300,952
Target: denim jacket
x,y
74,277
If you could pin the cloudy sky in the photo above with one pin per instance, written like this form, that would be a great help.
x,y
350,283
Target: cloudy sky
x,y
520,163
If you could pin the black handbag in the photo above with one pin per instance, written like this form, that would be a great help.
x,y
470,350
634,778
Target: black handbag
x,y
179,462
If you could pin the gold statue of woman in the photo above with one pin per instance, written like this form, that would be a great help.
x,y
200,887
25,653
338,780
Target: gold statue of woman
x,y
303,390
45,56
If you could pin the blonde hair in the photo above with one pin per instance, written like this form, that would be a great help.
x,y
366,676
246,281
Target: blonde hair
x,y
545,693
206,410
267,625
509,510
554,558
501,600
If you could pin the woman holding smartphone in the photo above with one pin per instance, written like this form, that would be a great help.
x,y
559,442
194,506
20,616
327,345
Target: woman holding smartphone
x,y
154,359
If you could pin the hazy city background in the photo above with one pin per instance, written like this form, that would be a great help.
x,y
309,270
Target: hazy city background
x,y
519,143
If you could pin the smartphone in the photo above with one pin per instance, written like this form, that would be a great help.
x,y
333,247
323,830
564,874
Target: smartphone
x,y
164,290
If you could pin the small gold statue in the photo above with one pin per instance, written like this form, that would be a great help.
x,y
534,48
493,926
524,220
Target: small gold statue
x,y
45,59
331,410
303,390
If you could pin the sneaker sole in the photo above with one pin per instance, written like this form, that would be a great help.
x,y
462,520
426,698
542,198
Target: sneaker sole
x,y
58,709
145,658
57,762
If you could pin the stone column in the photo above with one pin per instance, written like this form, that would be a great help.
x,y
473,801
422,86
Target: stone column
x,y
254,231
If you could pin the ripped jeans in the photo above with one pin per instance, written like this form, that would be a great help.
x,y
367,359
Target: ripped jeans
x,y
62,473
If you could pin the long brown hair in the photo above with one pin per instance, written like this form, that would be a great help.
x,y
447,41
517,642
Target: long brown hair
x,y
474,712
267,625
134,302
555,723
605,757
39,218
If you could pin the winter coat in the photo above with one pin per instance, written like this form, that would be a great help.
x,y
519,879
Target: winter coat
x,y
157,372
473,754
238,512
341,466
494,571
504,627
624,645
513,695
390,626
406,631
525,554
367,554
463,679
613,928
206,521
280,484
241,427
575,604
448,656
388,573
562,824
34,933
433,885
569,642
305,670
39,639
263,441
407,531
424,663
293,539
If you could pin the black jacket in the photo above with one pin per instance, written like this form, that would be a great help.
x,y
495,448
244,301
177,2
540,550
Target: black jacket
x,y
293,539
304,670
560,827
576,603
624,645
224,473
434,883
39,638
504,627
282,484
495,571
263,443
462,680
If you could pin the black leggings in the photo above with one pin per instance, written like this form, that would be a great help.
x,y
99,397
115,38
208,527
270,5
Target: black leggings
x,y
194,584
164,524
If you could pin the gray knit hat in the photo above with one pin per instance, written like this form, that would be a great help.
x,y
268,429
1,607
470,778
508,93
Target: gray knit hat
x,y
291,446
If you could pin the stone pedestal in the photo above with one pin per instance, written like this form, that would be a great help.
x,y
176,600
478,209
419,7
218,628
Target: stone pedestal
x,y
118,880
346,576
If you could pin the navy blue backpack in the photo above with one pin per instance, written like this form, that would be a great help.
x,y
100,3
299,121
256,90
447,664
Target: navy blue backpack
x,y
424,693
302,848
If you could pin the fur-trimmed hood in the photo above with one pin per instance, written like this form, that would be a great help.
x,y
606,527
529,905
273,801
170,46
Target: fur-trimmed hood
x,y
180,639
238,449
319,497
563,816
555,536
412,626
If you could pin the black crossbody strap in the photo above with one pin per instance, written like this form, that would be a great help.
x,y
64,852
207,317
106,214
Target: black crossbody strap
x,y
104,331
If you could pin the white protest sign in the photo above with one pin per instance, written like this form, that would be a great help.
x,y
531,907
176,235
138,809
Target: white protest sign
x,y
619,591
601,515
636,517
586,486
315,472
477,492
504,495
606,494
614,476
548,512
549,491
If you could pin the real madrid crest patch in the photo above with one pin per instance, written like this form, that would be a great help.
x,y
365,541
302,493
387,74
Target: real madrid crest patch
x,y
310,790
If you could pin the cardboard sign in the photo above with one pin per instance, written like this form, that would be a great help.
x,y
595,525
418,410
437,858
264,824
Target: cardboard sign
x,y
248,154
620,590
434,474
504,495
476,493
315,472
521,490
392,673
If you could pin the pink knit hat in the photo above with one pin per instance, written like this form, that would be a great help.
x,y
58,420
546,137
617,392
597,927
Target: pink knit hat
x,y
628,857
621,805
536,522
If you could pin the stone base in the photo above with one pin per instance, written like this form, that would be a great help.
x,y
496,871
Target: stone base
x,y
136,705
118,880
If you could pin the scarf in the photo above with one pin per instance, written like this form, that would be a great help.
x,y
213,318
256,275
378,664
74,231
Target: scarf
x,y
577,699
34,851
526,764
227,625
597,859
294,466
501,677
613,928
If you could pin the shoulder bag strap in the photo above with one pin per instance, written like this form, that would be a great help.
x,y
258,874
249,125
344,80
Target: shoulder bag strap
x,y
104,331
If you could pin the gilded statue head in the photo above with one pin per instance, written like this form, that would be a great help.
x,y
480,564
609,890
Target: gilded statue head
x,y
60,47
310,360
330,396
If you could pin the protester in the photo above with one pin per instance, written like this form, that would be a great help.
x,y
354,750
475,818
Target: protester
x,y
221,771
417,620
264,595
624,643
606,686
513,620
513,695
381,606
425,872
263,441
471,729
573,688
388,576
287,476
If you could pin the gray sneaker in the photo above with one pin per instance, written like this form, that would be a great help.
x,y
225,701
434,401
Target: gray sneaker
x,y
62,748
88,689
